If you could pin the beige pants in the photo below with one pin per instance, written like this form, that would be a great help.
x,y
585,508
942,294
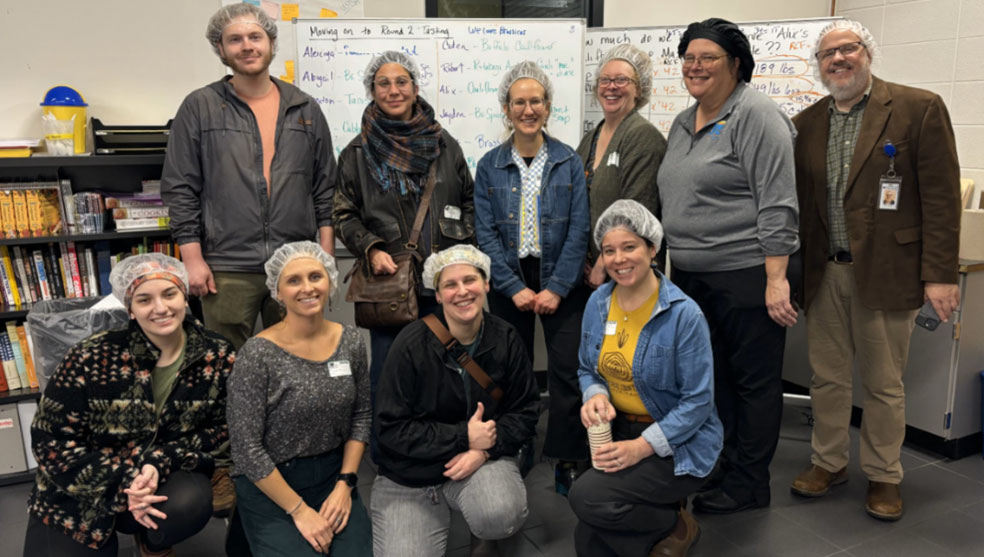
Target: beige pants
x,y
840,332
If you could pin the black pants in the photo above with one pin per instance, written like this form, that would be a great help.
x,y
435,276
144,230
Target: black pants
x,y
188,509
626,513
566,437
748,350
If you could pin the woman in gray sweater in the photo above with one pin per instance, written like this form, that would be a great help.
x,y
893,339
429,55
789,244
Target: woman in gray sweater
x,y
299,418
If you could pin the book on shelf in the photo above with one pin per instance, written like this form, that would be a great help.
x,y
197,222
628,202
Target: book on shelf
x,y
26,290
11,290
142,223
7,220
43,284
3,380
24,259
8,293
68,205
139,212
18,353
25,344
9,366
134,202
53,272
105,265
92,272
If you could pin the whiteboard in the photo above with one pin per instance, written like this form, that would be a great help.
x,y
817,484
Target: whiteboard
x,y
784,66
461,63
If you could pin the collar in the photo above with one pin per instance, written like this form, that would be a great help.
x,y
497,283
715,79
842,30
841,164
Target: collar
x,y
556,152
688,118
669,293
832,107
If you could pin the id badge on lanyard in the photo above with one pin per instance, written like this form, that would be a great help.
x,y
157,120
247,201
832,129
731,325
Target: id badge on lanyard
x,y
890,182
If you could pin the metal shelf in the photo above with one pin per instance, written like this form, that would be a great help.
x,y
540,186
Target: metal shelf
x,y
111,235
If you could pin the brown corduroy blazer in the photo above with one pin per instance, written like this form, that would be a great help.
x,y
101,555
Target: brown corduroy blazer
x,y
894,252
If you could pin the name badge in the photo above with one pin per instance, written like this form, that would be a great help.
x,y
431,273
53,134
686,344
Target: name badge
x,y
890,188
610,327
340,368
452,212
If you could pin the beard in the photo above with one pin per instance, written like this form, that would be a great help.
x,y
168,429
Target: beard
x,y
267,58
853,88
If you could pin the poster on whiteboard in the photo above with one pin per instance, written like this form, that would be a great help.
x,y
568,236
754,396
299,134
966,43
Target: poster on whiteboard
x,y
784,67
461,64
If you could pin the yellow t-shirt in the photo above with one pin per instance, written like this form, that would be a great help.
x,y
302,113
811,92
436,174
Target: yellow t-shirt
x,y
618,349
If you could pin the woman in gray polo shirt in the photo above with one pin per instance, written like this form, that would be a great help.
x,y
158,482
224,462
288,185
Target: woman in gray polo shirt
x,y
730,214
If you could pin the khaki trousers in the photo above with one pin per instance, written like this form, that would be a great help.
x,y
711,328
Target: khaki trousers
x,y
232,311
840,332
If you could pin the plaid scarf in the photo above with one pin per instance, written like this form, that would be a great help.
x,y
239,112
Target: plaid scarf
x,y
399,152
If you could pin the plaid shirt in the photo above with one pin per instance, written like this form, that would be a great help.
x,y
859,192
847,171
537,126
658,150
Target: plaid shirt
x,y
841,140
529,224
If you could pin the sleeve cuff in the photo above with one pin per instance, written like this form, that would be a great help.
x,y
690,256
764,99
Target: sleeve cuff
x,y
594,390
657,439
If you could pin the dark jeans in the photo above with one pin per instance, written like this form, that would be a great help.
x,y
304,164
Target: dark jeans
x,y
748,350
188,509
566,436
626,513
380,341
271,531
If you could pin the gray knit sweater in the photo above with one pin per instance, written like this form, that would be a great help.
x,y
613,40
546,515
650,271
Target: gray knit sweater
x,y
281,406
728,190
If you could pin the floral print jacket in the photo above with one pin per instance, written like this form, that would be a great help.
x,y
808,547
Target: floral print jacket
x,y
96,425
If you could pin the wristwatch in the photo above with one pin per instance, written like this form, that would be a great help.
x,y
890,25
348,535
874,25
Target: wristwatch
x,y
350,479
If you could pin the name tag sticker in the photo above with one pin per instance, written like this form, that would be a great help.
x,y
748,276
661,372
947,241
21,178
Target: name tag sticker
x,y
889,198
339,369
610,327
452,212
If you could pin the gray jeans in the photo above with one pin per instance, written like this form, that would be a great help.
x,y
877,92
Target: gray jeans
x,y
414,521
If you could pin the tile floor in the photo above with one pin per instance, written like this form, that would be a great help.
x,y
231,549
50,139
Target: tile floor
x,y
944,514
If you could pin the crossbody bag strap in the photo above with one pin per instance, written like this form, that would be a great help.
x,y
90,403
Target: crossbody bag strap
x,y
418,221
464,360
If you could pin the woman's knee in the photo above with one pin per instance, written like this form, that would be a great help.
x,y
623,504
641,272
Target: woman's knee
x,y
188,507
499,518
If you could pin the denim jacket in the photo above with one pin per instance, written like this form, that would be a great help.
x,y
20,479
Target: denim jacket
x,y
564,217
673,372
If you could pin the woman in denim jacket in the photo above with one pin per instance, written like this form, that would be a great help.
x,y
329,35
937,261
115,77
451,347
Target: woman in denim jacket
x,y
646,368
532,219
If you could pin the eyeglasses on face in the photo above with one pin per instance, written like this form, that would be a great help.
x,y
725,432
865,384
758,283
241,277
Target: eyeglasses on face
x,y
519,105
620,81
704,60
401,83
846,50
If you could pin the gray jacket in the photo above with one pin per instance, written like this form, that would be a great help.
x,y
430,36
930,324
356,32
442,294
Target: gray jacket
x,y
213,176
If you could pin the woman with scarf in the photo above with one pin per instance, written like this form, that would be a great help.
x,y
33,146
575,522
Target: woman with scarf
x,y
382,174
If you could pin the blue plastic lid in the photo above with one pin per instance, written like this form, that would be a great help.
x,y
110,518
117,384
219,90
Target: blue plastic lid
x,y
63,95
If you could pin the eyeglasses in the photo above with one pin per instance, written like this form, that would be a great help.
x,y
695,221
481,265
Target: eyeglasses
x,y
704,60
845,50
519,105
620,81
385,84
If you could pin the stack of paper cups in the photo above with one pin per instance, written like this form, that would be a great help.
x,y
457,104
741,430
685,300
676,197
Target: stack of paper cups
x,y
598,435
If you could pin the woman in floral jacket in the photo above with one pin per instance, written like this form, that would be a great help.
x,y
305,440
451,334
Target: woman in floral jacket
x,y
123,432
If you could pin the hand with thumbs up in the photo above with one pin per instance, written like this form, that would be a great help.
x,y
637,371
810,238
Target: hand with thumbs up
x,y
481,435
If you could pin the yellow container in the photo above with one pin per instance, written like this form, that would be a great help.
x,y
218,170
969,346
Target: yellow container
x,y
66,113
63,103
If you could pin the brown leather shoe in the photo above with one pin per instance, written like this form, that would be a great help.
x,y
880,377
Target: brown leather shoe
x,y
816,482
144,552
223,493
884,501
677,545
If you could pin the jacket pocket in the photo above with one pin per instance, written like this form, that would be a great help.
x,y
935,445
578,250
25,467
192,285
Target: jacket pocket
x,y
658,369
908,235
454,229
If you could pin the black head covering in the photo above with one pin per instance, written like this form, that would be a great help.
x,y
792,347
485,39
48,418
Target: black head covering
x,y
725,34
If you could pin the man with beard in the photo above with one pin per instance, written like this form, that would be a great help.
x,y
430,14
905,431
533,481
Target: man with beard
x,y
249,167
878,186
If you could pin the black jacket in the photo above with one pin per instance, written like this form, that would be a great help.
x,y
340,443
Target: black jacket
x,y
366,217
213,181
421,416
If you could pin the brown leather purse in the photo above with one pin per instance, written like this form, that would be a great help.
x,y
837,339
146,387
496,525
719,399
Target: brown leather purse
x,y
390,300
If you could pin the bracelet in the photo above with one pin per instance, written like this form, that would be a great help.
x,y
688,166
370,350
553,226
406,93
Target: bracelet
x,y
297,506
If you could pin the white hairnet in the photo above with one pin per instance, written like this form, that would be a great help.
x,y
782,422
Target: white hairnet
x,y
523,70
286,253
639,61
227,14
461,253
133,271
632,216
389,57
860,30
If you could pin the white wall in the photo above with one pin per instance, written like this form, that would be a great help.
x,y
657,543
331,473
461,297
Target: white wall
x,y
636,13
937,45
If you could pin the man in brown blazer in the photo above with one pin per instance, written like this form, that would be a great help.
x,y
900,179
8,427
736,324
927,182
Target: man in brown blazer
x,y
878,185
